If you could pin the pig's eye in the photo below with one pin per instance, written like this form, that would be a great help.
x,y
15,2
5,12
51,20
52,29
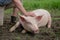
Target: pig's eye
x,y
28,22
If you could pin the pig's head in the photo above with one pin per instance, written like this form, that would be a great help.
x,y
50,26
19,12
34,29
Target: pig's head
x,y
30,23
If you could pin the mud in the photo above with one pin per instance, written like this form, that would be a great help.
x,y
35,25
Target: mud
x,y
45,33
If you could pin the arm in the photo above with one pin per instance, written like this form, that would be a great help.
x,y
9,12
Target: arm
x,y
20,6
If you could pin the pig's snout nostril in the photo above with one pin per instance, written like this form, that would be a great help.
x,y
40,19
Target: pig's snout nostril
x,y
36,31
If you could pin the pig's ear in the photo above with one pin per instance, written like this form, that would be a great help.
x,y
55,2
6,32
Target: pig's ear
x,y
38,18
22,18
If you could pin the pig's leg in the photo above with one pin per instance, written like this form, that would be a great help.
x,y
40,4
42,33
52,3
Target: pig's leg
x,y
49,22
14,27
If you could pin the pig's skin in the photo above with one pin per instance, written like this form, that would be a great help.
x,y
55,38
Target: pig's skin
x,y
44,20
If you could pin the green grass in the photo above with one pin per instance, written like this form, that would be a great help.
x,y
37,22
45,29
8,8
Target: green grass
x,y
46,4
55,18
54,12
8,11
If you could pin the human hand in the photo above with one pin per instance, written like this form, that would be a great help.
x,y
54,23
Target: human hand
x,y
30,14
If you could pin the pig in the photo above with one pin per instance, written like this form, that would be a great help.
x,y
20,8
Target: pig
x,y
32,24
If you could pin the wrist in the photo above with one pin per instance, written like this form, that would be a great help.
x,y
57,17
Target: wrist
x,y
26,14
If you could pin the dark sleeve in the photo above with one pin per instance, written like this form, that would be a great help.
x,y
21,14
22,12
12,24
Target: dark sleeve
x,y
5,2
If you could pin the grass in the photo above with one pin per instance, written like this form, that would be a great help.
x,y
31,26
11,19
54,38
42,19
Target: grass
x,y
46,4
55,18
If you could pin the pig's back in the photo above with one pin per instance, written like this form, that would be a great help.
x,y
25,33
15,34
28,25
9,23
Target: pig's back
x,y
40,12
44,19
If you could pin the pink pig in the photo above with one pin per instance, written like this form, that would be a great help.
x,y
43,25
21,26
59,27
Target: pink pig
x,y
32,24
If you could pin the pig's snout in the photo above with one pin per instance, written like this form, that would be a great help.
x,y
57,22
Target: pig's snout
x,y
36,31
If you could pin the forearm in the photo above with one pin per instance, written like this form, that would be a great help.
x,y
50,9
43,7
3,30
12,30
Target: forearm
x,y
20,6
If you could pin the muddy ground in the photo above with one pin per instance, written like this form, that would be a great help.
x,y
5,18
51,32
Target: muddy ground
x,y
45,33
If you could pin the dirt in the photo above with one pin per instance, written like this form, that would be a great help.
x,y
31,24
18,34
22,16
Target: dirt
x,y
45,33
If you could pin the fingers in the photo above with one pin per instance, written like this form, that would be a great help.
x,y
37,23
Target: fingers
x,y
31,14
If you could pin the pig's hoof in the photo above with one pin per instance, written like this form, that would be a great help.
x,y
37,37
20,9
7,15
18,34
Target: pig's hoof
x,y
10,30
23,31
